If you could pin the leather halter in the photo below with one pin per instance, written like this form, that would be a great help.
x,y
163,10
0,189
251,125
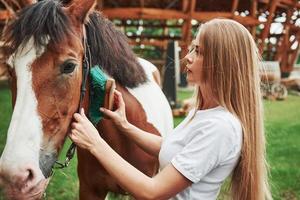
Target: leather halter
x,y
85,71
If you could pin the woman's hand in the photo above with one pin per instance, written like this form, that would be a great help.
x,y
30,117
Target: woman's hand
x,y
83,132
119,115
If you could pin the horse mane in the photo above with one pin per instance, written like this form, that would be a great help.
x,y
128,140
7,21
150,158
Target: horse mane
x,y
41,21
110,50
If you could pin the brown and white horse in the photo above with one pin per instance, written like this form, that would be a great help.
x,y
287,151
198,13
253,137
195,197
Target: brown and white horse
x,y
45,56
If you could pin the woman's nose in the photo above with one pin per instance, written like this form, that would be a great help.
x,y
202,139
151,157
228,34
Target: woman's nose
x,y
188,58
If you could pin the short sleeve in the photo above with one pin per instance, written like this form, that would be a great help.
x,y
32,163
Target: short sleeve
x,y
202,152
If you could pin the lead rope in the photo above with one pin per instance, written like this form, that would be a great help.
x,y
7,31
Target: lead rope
x,y
85,71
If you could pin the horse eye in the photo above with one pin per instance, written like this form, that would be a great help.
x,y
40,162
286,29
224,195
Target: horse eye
x,y
67,67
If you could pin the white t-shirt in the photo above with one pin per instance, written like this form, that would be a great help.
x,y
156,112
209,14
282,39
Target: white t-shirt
x,y
205,151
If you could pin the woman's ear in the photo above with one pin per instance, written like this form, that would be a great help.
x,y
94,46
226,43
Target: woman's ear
x,y
79,9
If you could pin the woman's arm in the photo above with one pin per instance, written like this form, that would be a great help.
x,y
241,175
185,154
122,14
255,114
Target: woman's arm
x,y
164,185
148,142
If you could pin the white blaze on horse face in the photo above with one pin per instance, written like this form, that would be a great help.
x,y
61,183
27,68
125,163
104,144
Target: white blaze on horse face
x,y
25,130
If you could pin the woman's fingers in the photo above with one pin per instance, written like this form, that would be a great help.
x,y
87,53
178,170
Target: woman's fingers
x,y
120,99
82,113
119,95
74,134
107,112
79,117
75,125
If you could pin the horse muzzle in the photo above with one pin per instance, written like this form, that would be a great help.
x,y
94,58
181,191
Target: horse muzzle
x,y
26,191
25,183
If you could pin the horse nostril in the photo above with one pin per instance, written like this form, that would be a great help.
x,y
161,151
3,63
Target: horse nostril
x,y
30,175
25,177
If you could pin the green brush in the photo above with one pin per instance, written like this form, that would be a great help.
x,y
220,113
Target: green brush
x,y
101,93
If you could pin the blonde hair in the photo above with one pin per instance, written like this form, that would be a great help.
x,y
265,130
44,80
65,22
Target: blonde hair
x,y
231,68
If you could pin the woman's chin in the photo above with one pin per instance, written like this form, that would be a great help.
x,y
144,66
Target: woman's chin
x,y
190,81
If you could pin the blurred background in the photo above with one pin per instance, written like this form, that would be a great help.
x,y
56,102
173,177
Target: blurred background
x,y
161,31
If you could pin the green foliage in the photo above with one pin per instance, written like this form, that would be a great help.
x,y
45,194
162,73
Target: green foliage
x,y
148,52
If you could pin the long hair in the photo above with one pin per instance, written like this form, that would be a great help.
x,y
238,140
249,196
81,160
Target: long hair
x,y
231,67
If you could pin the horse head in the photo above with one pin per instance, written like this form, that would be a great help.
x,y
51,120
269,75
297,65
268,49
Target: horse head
x,y
45,58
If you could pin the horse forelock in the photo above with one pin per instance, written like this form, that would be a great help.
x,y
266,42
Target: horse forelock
x,y
41,22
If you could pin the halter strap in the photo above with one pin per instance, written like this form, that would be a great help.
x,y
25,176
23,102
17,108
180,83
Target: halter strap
x,y
85,71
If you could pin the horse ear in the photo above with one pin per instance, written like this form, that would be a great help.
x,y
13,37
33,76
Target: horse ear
x,y
80,8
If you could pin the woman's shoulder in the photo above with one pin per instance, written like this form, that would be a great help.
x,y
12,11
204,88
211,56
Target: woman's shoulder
x,y
220,129
217,122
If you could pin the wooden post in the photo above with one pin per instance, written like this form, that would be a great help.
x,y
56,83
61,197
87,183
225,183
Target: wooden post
x,y
142,3
266,30
99,5
253,13
285,46
234,7
295,53
187,27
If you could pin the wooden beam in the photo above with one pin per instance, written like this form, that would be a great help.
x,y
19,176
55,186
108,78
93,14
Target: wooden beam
x,y
99,4
12,6
143,13
247,21
295,28
185,6
187,28
266,29
285,44
291,3
171,4
295,53
253,12
206,16
264,1
292,55
234,7
5,15
142,3
151,13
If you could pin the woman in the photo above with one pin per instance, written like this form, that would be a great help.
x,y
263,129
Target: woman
x,y
222,136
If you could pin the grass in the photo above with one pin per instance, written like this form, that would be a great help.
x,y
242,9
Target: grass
x,y
283,149
283,135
